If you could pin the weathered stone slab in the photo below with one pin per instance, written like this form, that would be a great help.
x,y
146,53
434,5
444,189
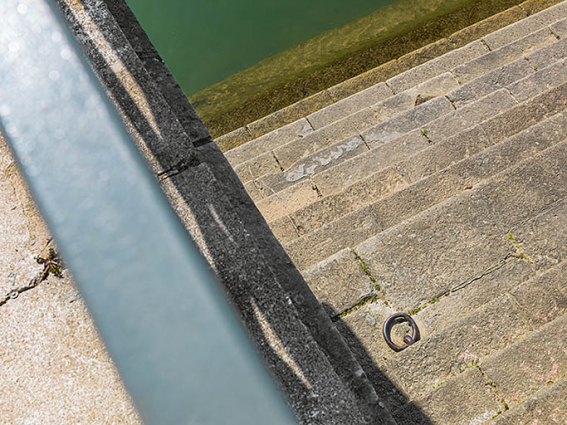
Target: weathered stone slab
x,y
362,331
334,206
407,99
457,169
487,26
436,66
559,28
548,55
366,79
521,145
289,114
268,142
544,79
233,139
438,187
253,190
443,312
333,237
427,363
491,82
339,282
313,164
347,127
526,26
380,157
349,105
533,6
467,399
284,230
527,366
404,123
527,190
544,298
547,406
528,113
504,55
287,200
446,153
472,238
467,116
256,167
543,237
464,175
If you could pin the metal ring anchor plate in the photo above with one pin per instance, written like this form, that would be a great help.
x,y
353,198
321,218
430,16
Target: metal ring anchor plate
x,y
409,340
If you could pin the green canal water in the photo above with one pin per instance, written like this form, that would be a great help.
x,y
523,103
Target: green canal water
x,y
205,41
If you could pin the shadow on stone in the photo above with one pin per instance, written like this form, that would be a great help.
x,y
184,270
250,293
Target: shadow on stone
x,y
388,392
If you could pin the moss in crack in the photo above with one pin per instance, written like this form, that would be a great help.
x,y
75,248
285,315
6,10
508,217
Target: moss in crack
x,y
414,311
474,364
52,264
494,388
366,300
424,306
368,273
520,254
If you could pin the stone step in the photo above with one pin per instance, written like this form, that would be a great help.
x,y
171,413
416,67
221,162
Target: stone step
x,y
355,227
503,55
500,381
547,406
330,169
494,326
411,78
505,316
530,364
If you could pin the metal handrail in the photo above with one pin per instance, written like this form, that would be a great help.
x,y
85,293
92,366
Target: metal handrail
x,y
180,349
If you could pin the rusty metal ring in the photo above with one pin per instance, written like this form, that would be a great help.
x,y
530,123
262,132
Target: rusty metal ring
x,y
408,340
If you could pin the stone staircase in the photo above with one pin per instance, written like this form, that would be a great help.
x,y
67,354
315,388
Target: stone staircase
x,y
441,193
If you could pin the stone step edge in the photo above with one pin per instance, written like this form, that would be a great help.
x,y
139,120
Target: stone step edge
x,y
289,140
393,166
379,74
522,410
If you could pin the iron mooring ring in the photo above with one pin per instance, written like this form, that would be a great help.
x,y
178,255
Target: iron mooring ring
x,y
409,340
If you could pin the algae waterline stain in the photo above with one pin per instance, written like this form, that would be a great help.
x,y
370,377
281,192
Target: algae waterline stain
x,y
242,60
206,41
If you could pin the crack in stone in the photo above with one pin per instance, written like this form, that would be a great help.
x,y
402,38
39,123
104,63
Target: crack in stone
x,y
51,265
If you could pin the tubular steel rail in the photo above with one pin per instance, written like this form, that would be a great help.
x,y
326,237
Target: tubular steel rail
x,y
179,347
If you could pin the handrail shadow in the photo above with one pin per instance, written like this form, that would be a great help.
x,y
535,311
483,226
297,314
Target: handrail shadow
x,y
289,327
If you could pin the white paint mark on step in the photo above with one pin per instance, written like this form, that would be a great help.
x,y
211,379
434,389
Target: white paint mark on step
x,y
303,170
